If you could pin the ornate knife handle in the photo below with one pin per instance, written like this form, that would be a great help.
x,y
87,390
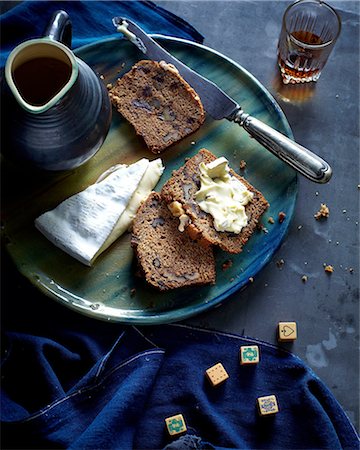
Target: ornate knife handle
x,y
300,158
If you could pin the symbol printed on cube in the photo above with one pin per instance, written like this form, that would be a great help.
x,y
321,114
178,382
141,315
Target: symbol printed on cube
x,y
249,354
287,331
267,405
217,374
175,424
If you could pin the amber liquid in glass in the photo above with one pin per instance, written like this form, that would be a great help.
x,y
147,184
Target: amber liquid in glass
x,y
305,64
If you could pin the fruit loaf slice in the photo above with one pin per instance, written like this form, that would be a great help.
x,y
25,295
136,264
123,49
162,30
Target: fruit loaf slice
x,y
180,191
159,103
167,258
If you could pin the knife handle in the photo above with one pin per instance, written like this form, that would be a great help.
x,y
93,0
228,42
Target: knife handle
x,y
300,158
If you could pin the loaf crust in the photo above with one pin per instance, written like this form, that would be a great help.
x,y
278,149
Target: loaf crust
x,y
183,185
167,258
159,103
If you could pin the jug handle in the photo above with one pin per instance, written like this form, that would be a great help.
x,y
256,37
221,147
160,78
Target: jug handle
x,y
59,28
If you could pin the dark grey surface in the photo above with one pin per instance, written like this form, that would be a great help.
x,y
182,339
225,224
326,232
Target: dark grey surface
x,y
325,118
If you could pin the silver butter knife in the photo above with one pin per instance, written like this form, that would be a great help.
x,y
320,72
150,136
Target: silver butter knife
x,y
220,106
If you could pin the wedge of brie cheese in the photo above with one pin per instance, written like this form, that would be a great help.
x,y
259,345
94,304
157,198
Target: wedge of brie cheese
x,y
87,223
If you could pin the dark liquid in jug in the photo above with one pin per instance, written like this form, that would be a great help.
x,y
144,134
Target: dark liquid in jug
x,y
39,79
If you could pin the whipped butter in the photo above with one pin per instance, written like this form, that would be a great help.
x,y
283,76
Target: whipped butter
x,y
223,196
123,28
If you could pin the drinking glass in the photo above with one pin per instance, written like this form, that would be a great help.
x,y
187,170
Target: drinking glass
x,y
308,34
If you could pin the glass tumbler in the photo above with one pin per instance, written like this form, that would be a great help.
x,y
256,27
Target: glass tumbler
x,y
308,34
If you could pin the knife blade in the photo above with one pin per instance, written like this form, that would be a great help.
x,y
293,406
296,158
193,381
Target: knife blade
x,y
220,106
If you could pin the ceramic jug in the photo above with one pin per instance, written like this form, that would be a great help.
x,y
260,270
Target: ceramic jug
x,y
56,112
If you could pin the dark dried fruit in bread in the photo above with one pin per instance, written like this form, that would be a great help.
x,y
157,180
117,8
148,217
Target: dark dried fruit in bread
x,y
159,103
183,185
167,258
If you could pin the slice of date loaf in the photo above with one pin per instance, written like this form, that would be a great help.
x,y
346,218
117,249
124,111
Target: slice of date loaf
x,y
159,103
181,188
167,258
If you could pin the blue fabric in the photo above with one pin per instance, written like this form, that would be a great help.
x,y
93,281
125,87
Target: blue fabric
x,y
113,388
91,21
69,381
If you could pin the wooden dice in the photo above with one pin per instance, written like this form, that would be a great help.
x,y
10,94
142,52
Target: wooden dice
x,y
267,405
287,331
249,354
217,374
175,425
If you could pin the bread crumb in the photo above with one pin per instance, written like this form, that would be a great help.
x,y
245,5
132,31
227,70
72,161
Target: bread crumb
x,y
227,264
260,227
304,278
102,77
242,164
323,212
282,216
251,279
351,270
329,269
109,86
271,220
280,263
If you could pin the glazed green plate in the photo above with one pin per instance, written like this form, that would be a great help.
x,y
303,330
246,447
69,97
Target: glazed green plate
x,y
110,290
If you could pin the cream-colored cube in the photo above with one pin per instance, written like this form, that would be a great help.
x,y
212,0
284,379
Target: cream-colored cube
x,y
249,354
175,425
287,331
217,374
267,405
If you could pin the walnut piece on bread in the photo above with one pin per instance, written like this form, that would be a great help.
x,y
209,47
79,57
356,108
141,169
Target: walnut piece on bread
x,y
168,259
182,188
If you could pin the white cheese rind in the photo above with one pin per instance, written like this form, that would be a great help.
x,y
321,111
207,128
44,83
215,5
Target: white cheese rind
x,y
81,224
147,183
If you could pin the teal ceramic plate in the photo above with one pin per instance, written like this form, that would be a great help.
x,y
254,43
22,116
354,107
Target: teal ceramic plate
x,y
110,290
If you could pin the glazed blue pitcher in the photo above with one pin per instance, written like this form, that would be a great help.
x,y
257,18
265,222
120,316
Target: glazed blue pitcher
x,y
56,112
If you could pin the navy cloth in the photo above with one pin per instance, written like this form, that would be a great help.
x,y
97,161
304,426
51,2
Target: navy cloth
x,y
91,21
113,389
69,381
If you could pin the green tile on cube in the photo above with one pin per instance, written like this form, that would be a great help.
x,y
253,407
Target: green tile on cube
x,y
249,354
175,424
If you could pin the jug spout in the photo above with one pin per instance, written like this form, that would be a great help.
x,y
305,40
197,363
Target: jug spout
x,y
40,72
